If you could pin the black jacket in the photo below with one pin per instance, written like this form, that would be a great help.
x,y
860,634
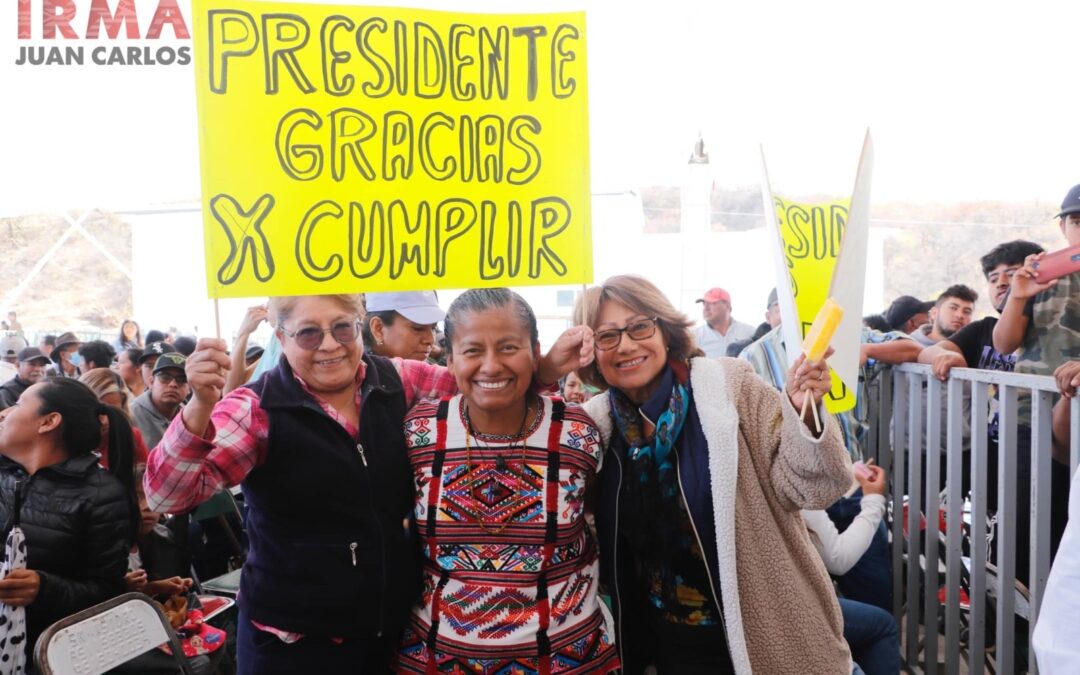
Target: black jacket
x,y
332,551
79,524
11,390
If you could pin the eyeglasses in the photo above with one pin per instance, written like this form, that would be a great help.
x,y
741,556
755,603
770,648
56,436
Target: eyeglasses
x,y
310,338
642,329
165,377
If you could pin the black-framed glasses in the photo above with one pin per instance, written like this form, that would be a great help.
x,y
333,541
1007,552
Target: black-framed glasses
x,y
310,338
165,377
642,329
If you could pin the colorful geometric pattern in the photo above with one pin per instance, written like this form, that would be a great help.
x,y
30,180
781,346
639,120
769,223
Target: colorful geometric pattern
x,y
518,594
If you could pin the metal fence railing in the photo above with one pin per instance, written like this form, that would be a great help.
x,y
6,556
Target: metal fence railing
x,y
948,577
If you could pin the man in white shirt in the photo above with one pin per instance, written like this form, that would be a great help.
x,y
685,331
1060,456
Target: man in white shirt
x,y
1056,648
720,329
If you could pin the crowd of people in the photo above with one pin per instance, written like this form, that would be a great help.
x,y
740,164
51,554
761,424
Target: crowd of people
x,y
426,490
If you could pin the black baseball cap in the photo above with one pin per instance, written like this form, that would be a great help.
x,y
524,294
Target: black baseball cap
x,y
905,307
174,360
1071,203
32,354
154,350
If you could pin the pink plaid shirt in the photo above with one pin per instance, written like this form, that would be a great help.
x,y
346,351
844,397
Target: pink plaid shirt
x,y
185,470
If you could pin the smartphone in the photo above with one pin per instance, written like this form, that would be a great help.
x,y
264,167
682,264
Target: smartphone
x,y
1058,264
861,471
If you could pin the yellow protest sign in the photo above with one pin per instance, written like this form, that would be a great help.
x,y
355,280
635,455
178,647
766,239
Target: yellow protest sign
x,y
811,236
349,149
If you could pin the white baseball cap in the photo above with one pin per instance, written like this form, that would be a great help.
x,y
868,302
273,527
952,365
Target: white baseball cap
x,y
417,306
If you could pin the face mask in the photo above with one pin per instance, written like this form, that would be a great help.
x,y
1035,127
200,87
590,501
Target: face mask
x,y
75,359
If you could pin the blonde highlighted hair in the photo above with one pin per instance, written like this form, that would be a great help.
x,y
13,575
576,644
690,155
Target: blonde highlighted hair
x,y
280,308
642,297
103,381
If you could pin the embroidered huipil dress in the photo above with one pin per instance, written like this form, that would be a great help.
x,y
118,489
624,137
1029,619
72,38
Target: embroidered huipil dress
x,y
510,567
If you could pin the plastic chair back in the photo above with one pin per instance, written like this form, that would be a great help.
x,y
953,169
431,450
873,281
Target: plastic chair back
x,y
107,635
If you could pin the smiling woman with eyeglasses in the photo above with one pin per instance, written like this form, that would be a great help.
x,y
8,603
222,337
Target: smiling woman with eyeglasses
x,y
702,546
317,443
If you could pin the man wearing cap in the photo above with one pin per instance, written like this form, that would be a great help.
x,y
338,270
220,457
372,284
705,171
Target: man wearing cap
x,y
158,405
907,313
720,329
402,324
10,346
32,365
149,359
65,356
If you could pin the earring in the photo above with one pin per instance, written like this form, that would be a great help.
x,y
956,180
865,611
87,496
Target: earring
x,y
379,342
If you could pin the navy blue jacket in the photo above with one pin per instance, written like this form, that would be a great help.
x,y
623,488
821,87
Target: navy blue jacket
x,y
332,551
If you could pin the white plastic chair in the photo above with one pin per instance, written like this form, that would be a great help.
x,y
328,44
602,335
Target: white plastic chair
x,y
105,636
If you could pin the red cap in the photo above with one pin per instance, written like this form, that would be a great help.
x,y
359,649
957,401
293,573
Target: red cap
x,y
715,295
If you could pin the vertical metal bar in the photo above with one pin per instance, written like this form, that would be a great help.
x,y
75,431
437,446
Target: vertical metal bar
x,y
933,548
898,488
875,413
1041,406
1074,435
977,594
885,395
954,528
914,438
1005,533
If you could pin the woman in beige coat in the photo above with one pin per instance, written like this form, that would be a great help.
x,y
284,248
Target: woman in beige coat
x,y
705,470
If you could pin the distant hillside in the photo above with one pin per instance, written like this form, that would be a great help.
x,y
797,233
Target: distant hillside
x,y
78,288
932,246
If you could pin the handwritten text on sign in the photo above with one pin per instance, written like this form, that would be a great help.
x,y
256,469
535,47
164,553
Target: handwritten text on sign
x,y
353,148
811,236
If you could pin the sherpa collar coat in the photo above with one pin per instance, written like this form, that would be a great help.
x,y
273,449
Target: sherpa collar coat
x,y
779,606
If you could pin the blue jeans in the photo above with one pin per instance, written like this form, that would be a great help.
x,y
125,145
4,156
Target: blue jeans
x,y
872,636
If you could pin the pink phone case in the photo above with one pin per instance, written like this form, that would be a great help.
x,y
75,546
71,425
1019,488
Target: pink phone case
x,y
861,471
1058,264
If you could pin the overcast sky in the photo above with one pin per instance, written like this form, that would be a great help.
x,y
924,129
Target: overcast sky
x,y
965,101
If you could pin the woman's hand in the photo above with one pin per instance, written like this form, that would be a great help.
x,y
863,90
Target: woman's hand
x,y
168,587
206,368
20,588
875,483
808,379
135,581
572,350
252,318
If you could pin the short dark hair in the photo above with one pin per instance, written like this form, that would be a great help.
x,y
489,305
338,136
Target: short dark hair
x,y
134,355
49,339
877,322
98,351
481,299
185,344
1009,253
958,291
154,336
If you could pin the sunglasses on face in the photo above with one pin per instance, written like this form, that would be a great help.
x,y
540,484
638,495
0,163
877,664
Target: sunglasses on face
x,y
642,329
310,338
165,377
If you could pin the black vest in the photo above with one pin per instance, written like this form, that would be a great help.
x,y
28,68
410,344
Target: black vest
x,y
332,548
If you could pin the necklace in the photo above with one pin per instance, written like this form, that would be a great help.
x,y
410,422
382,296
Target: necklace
x,y
500,465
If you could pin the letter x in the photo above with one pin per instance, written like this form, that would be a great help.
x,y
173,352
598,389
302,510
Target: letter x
x,y
235,221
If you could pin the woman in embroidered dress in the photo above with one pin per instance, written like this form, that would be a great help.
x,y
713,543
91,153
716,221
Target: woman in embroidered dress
x,y
316,442
706,467
510,568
